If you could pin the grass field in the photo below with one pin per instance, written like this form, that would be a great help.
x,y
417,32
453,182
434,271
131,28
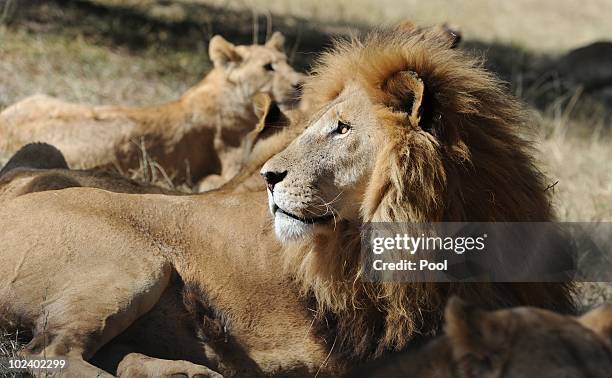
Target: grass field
x,y
128,56
545,25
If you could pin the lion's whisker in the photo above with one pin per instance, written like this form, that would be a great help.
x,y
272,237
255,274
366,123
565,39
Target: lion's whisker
x,y
329,208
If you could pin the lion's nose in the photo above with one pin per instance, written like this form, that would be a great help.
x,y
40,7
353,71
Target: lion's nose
x,y
273,178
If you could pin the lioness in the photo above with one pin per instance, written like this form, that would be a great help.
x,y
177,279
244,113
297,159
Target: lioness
x,y
39,167
195,136
402,129
518,342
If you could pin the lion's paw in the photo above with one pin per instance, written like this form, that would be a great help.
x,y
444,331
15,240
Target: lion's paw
x,y
141,366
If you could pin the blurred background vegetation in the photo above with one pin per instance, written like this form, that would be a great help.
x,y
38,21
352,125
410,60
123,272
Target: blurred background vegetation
x,y
137,52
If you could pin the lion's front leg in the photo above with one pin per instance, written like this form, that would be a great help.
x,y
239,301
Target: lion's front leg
x,y
74,326
139,365
75,299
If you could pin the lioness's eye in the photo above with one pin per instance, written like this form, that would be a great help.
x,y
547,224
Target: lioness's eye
x,y
268,67
342,128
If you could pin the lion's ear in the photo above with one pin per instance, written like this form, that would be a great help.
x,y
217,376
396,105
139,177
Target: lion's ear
x,y
276,41
264,109
407,94
599,320
261,103
449,33
222,52
472,331
270,119
407,25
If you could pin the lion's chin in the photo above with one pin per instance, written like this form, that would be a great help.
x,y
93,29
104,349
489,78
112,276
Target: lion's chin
x,y
289,229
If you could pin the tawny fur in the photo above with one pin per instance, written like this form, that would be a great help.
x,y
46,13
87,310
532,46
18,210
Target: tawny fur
x,y
39,167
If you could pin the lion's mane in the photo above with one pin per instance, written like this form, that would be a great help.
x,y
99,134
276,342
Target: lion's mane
x,y
465,161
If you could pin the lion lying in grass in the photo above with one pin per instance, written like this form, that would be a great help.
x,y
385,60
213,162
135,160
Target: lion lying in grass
x,y
402,129
22,178
38,167
514,343
195,136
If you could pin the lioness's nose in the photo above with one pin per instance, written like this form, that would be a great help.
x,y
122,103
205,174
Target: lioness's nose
x,y
273,178
298,86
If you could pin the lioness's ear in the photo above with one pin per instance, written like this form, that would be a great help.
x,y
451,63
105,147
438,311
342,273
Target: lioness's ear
x,y
407,94
276,41
222,52
599,320
472,331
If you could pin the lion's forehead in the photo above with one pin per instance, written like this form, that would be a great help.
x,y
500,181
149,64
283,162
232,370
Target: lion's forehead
x,y
322,121
352,104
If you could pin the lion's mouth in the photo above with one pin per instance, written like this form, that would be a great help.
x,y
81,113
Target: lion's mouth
x,y
313,220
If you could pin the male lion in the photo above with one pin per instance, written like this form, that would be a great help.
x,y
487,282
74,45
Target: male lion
x,y
403,129
195,136
511,343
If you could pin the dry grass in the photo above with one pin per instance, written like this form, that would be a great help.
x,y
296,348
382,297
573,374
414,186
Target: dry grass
x,y
579,165
83,58
33,62
584,183
545,25
10,343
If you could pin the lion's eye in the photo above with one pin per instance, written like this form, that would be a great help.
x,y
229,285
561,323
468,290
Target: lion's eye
x,y
268,67
342,128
